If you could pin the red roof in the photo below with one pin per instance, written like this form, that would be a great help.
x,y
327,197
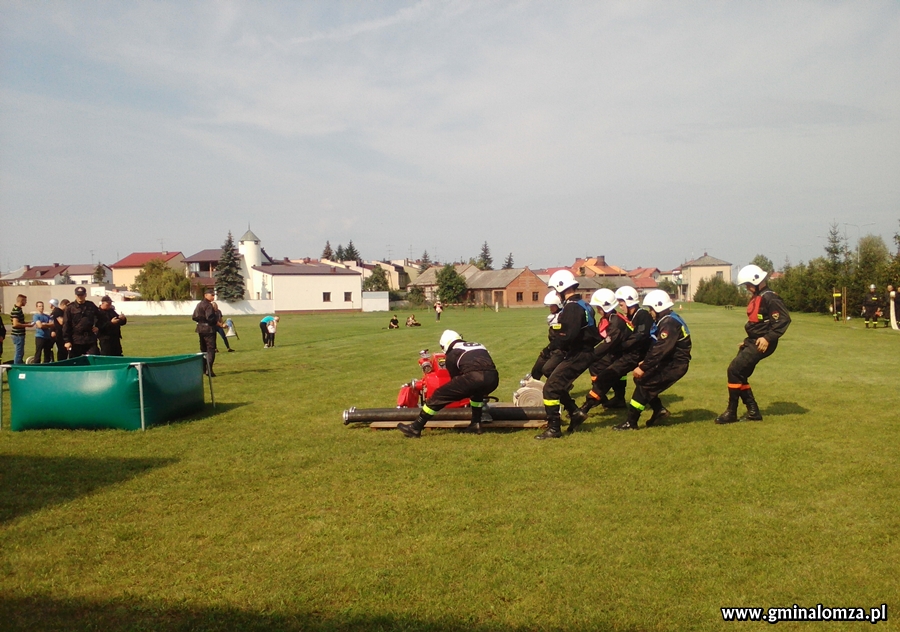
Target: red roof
x,y
644,283
640,273
140,259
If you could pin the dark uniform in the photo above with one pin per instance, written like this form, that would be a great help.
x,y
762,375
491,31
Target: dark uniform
x,y
623,347
110,334
767,317
79,322
57,315
207,319
549,357
576,336
667,361
472,375
871,305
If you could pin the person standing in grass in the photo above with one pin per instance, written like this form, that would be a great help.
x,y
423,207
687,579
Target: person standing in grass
x,y
472,375
18,327
80,325
767,320
110,326
871,306
666,362
264,329
206,318
43,343
271,330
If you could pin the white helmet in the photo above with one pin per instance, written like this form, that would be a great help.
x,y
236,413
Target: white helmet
x,y
628,294
754,275
562,280
552,298
448,338
658,300
872,287
604,299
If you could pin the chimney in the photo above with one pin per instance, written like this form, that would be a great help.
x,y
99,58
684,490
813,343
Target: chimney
x,y
601,260
27,268
165,252
55,265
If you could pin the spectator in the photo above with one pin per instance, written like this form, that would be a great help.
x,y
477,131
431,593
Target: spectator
x,y
412,322
395,323
220,327
271,328
264,329
438,310
206,319
110,325
18,327
56,334
80,325
43,342
2,334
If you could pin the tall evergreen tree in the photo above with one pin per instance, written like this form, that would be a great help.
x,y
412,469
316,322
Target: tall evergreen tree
x,y
99,273
350,252
485,261
424,262
339,254
229,280
508,264
327,252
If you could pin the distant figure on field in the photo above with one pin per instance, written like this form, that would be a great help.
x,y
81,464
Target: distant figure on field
x,y
2,334
264,329
871,307
395,323
412,322
206,318
57,312
18,327
110,326
220,327
767,320
472,375
80,325
271,328
438,310
43,343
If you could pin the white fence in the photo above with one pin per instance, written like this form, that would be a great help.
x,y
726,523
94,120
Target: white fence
x,y
186,308
375,301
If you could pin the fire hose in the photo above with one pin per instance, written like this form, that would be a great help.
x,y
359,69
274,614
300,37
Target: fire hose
x,y
494,413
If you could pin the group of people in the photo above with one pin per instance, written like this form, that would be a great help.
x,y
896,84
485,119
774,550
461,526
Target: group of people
x,y
611,336
874,307
71,329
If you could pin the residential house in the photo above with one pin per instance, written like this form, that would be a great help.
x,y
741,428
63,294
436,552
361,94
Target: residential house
x,y
644,279
125,271
310,287
706,267
596,266
201,269
83,274
427,281
37,275
513,287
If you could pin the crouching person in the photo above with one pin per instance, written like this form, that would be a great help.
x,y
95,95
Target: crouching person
x,y
473,376
666,361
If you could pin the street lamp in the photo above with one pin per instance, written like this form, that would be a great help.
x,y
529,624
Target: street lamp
x,y
858,235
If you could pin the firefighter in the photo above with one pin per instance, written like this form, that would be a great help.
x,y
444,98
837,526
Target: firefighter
x,y
576,336
631,350
767,320
472,375
613,329
871,307
666,362
549,358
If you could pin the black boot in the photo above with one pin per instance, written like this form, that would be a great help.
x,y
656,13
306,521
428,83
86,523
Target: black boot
x,y
589,402
730,414
474,426
659,412
753,413
414,429
554,424
618,400
631,422
576,418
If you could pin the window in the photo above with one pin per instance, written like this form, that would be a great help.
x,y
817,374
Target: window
x,y
720,275
534,297
348,296
518,297
326,297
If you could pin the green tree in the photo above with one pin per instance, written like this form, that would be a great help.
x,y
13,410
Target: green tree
x,y
451,285
350,252
229,280
377,281
424,262
893,271
339,254
668,287
717,291
508,264
327,252
484,260
763,262
416,296
158,282
99,273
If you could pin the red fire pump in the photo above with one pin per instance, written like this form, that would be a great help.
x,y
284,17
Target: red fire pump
x,y
435,375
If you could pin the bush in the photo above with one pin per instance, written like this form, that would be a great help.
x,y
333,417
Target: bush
x,y
717,291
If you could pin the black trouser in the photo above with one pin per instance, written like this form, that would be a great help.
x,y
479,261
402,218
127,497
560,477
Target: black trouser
x,y
475,386
264,328
61,352
871,317
208,346
650,386
43,350
556,390
270,338
744,363
85,349
110,346
546,362
221,332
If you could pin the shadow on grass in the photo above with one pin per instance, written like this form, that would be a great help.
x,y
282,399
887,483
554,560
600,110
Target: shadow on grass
x,y
30,483
49,613
688,416
784,408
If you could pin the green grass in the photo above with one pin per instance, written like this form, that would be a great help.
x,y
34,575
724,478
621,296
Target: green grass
x,y
271,514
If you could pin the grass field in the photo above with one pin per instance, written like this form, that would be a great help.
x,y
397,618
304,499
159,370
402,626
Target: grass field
x,y
271,514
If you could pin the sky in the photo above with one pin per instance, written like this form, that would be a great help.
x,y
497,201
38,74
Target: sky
x,y
648,132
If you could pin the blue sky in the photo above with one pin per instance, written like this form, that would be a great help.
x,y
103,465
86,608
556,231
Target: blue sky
x,y
648,132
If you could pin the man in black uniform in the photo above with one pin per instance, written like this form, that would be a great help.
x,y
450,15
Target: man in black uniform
x,y
871,305
472,375
207,319
614,328
80,322
548,358
57,316
666,361
576,337
767,320
110,328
